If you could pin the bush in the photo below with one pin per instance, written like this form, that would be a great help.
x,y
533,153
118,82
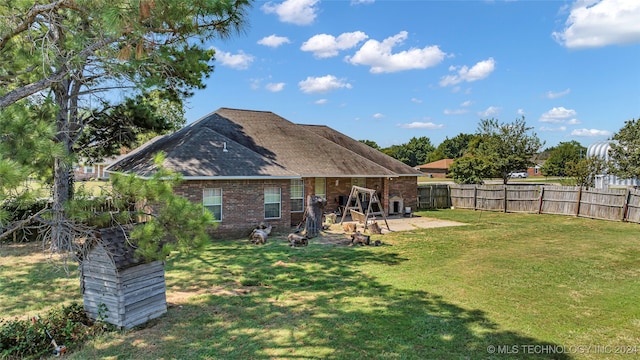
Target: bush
x,y
27,339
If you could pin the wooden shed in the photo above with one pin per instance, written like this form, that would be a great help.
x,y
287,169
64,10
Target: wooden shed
x,y
118,287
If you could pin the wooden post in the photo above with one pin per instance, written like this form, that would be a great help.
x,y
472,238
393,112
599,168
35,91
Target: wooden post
x,y
541,199
475,197
578,202
625,209
505,198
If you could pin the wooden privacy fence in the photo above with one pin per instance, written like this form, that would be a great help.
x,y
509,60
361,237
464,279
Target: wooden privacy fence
x,y
605,204
434,196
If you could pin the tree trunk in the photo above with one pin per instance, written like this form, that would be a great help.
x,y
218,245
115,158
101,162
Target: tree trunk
x,y
315,207
61,240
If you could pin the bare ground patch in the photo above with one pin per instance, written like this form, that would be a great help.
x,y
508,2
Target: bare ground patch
x,y
336,235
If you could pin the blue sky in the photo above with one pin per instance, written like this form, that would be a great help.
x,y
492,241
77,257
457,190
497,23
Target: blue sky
x,y
388,71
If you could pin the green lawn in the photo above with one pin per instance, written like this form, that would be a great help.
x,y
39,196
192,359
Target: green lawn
x,y
524,283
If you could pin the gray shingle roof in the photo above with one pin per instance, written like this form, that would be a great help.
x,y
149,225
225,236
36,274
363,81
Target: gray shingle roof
x,y
362,149
259,143
116,243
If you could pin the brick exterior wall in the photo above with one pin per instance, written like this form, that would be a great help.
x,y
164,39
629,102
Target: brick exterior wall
x,y
405,187
243,200
242,204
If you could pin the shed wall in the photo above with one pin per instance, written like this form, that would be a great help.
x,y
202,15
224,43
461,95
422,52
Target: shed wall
x,y
126,297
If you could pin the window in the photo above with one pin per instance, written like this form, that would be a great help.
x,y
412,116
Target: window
x,y
272,202
212,201
297,195
88,169
321,187
362,182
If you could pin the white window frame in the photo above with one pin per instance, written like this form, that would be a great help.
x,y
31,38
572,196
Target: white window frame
x,y
297,194
212,197
89,169
270,195
362,182
320,188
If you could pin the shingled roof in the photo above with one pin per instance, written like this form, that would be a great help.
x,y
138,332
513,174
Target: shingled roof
x,y
117,246
231,143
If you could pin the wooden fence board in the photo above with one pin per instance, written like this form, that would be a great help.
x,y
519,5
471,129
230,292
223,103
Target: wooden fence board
x,y
434,196
523,198
463,196
605,204
633,206
560,200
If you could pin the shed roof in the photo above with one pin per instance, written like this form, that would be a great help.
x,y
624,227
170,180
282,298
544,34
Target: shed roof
x,y
115,241
245,143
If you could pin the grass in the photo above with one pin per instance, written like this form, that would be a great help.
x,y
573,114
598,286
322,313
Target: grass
x,y
504,280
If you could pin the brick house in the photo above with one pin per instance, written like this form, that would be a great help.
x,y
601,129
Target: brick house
x,y
436,169
250,166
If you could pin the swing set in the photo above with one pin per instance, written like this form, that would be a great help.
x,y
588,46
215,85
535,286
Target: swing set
x,y
354,206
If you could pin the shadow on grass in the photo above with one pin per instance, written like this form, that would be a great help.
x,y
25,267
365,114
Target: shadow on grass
x,y
30,282
310,303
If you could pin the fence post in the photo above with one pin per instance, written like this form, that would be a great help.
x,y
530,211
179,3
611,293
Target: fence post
x,y
475,197
625,209
505,198
541,199
578,203
431,202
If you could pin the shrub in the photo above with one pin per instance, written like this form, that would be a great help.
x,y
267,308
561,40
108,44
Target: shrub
x,y
28,339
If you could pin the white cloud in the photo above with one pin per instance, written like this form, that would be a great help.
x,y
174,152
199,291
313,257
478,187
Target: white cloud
x,y
558,115
322,84
324,45
455,112
273,41
558,129
491,111
416,100
597,23
520,112
358,2
422,125
255,84
574,122
275,87
467,103
299,12
479,71
239,61
379,56
378,116
555,95
321,101
590,132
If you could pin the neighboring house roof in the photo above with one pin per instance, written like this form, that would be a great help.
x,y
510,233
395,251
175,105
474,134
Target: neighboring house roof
x,y
252,144
443,164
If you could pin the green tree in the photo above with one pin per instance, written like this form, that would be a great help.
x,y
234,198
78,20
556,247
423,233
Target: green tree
x,y
507,147
560,156
415,152
625,151
453,148
76,53
371,143
584,171
469,170
128,125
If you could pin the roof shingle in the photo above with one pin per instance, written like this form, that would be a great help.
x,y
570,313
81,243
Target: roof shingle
x,y
260,144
